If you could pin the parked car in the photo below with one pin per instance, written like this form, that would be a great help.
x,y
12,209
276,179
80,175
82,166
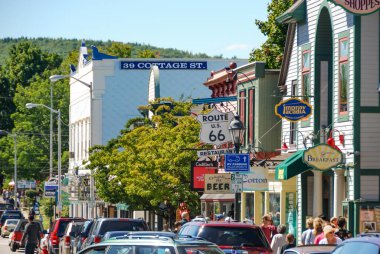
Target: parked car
x,y
19,231
10,214
141,234
6,206
229,236
103,225
165,245
311,249
115,235
66,242
359,245
79,239
8,227
57,230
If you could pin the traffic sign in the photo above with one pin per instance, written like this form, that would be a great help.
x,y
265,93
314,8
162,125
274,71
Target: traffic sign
x,y
215,127
50,189
236,162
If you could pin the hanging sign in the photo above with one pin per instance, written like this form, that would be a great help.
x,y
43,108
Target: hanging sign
x,y
217,183
215,127
256,180
293,109
198,171
358,7
322,157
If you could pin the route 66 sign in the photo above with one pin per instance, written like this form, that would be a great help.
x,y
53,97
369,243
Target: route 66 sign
x,y
215,127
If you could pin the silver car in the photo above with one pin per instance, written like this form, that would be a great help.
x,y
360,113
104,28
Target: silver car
x,y
8,227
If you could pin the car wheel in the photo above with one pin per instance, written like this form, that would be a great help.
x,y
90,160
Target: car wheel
x,y
13,248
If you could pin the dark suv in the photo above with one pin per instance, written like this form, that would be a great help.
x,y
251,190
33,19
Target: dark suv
x,y
103,225
229,236
10,214
57,230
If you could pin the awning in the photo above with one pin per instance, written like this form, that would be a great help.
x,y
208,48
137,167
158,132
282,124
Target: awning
x,y
295,13
218,197
290,167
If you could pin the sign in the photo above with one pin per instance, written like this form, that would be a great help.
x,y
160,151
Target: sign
x,y
236,183
359,7
217,183
26,184
236,162
215,127
293,109
198,170
219,152
121,206
50,188
164,65
322,157
256,180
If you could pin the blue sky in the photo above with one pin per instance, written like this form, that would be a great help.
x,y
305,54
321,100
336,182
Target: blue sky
x,y
198,26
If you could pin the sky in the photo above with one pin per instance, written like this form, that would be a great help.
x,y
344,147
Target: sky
x,y
212,27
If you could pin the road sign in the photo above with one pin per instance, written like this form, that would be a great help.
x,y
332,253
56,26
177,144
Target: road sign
x,y
236,163
215,127
50,189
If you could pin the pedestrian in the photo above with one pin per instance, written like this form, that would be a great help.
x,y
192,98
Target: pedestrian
x,y
184,217
307,236
267,227
342,232
279,239
318,230
11,201
177,227
31,237
330,238
334,222
166,228
289,243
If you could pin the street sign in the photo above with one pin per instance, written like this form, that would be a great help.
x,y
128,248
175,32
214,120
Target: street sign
x,y
236,163
50,189
237,183
215,127
219,152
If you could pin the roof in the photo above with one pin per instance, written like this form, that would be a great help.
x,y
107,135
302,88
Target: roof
x,y
295,13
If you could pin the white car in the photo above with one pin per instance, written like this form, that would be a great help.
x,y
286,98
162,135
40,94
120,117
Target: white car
x,y
8,227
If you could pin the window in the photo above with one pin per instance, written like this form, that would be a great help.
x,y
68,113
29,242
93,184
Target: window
x,y
343,75
274,207
306,75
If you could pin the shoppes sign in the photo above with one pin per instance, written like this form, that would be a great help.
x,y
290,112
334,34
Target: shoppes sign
x,y
322,157
358,7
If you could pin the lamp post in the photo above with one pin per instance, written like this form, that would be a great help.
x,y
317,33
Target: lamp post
x,y
237,131
2,132
58,112
55,78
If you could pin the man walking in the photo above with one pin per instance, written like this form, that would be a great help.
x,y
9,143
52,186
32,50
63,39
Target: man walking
x,y
31,236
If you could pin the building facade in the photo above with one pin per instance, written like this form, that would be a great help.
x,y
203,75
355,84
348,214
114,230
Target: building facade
x,y
332,63
105,93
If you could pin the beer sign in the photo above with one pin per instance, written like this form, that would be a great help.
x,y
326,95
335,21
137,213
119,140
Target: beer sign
x,y
217,183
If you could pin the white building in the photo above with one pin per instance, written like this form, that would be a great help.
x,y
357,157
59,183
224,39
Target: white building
x,y
106,91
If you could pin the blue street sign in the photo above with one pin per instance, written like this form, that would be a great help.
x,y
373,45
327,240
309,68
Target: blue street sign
x,y
236,163
50,190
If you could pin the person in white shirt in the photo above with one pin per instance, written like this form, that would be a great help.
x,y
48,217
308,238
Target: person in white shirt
x,y
330,237
279,239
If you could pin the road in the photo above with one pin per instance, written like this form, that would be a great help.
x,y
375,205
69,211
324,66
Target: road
x,y
4,248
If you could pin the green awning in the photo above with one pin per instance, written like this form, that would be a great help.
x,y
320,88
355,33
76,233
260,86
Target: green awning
x,y
295,13
290,167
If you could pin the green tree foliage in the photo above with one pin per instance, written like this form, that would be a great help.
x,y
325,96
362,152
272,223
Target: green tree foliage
x,y
146,53
272,50
148,164
120,50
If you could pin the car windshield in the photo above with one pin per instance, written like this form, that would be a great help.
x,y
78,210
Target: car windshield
x,y
120,225
13,222
229,236
129,249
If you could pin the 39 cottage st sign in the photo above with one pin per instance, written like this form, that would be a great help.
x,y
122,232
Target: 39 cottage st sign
x,y
215,127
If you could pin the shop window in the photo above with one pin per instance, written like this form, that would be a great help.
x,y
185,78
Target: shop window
x,y
274,207
306,75
343,75
250,205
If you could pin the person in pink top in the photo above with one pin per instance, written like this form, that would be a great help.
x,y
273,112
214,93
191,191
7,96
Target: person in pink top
x,y
318,230
267,227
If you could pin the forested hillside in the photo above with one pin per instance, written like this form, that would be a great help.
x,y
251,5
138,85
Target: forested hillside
x,y
64,46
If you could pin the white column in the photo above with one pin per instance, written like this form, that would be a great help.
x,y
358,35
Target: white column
x,y
317,200
338,191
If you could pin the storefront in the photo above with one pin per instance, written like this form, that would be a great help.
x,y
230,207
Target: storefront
x,y
332,63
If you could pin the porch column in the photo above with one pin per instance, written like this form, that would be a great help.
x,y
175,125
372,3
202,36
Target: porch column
x,y
317,195
338,191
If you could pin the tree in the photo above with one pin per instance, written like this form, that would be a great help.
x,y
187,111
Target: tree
x,y
147,54
148,164
120,50
272,50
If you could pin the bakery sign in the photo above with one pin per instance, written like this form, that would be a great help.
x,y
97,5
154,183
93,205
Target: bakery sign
x,y
293,109
322,157
358,7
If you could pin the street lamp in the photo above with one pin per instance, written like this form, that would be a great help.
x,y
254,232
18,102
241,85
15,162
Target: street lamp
x,y
33,105
2,132
55,78
237,130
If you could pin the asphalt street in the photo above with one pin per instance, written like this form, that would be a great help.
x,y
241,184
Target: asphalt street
x,y
4,248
